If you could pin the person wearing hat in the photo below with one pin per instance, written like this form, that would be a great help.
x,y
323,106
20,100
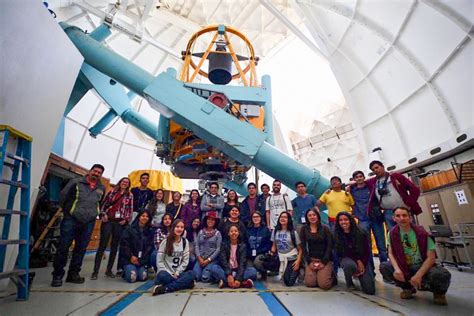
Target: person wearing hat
x,y
206,247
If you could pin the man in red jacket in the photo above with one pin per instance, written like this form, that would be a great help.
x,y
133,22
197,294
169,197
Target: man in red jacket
x,y
392,190
412,260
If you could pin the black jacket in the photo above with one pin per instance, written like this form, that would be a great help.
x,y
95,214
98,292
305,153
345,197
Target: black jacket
x,y
317,246
224,256
80,201
133,241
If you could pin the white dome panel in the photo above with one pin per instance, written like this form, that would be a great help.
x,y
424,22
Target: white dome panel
x,y
103,150
461,7
383,133
387,14
364,45
124,46
370,105
84,114
132,158
116,129
73,134
457,86
333,24
398,77
424,32
422,122
346,72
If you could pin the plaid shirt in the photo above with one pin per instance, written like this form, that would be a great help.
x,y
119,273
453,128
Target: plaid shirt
x,y
160,235
126,205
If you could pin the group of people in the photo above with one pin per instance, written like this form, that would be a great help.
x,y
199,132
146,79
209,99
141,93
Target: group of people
x,y
217,239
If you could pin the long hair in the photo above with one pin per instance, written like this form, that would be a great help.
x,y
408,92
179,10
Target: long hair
x,y
239,239
117,187
290,222
162,224
236,196
198,200
153,203
318,215
358,236
171,237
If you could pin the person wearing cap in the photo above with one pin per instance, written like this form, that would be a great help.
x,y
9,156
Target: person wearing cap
x,y
206,247
336,200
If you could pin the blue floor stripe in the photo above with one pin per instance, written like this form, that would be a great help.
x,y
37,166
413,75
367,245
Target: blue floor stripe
x,y
127,300
275,307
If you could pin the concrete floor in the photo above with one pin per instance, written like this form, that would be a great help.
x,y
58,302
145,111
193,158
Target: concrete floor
x,y
115,297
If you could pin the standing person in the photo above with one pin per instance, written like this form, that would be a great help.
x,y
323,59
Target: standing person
x,y
276,204
117,210
233,219
412,263
79,201
287,243
175,207
258,243
336,200
161,233
251,204
207,247
265,189
370,218
232,200
302,203
212,201
135,249
233,271
317,243
392,189
141,194
353,248
156,207
172,260
192,209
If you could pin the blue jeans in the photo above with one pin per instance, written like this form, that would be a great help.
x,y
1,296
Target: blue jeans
x,y
184,281
132,273
203,274
367,280
153,255
72,230
217,274
388,216
379,235
335,257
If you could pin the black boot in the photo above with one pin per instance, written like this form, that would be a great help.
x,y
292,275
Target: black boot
x,y
74,278
57,282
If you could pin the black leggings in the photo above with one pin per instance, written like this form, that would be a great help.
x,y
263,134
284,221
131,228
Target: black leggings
x,y
108,229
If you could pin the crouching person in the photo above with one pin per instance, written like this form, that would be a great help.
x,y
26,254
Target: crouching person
x,y
412,260
172,260
135,249
233,271
352,246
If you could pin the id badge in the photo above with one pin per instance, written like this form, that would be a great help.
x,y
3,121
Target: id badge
x,y
303,219
254,252
117,214
139,254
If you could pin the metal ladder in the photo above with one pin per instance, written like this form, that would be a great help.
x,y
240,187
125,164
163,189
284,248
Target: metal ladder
x,y
20,165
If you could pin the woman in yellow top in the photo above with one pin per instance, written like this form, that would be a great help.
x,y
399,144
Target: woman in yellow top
x,y
336,200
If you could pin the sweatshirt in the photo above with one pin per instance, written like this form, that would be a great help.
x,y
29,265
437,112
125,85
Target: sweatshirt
x,y
207,244
258,239
317,245
177,262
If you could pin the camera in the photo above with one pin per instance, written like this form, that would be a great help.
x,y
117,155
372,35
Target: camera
x,y
382,191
